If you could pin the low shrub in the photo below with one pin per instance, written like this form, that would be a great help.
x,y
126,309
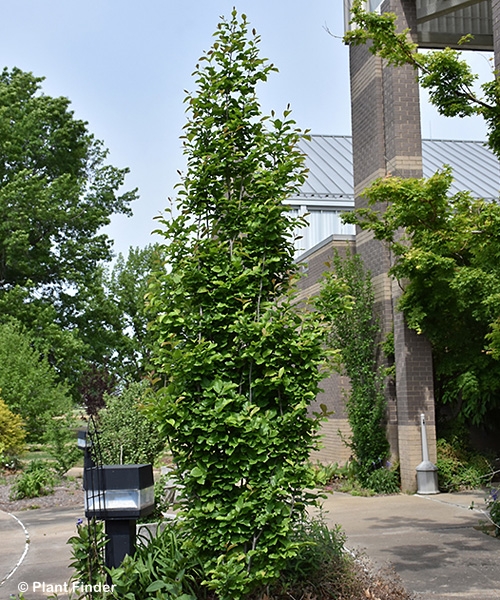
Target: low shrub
x,y
384,481
320,548
460,468
126,434
345,479
160,567
37,479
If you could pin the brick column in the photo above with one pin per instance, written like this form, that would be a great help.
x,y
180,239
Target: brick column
x,y
387,139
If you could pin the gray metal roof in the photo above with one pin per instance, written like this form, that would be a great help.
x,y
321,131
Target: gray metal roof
x,y
329,160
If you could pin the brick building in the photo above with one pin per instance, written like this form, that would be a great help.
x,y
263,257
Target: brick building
x,y
329,191
386,138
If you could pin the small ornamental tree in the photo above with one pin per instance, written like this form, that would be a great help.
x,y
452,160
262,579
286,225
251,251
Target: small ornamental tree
x,y
448,259
239,361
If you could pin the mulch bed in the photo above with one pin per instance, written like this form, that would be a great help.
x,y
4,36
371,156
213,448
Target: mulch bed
x,y
66,494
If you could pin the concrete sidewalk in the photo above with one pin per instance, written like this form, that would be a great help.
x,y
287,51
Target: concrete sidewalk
x,y
431,541
34,554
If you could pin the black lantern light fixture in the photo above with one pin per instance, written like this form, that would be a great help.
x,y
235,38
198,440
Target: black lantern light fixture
x,y
117,495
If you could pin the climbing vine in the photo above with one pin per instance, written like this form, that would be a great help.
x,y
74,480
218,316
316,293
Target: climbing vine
x,y
353,331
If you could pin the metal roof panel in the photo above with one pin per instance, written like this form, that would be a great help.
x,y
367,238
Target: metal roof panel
x,y
329,160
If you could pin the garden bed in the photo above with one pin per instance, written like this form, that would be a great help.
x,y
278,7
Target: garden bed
x,y
67,493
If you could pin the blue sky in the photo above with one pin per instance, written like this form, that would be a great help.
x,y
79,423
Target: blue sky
x,y
125,64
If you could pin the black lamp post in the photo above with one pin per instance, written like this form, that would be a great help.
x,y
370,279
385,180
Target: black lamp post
x,y
117,495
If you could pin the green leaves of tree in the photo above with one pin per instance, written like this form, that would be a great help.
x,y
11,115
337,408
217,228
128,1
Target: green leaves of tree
x,y
447,77
346,302
448,258
56,194
238,358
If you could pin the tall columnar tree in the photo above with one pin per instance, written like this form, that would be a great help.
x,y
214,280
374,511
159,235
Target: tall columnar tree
x,y
238,359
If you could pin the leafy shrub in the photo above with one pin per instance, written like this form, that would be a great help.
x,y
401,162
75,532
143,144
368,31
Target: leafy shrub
x,y
12,434
346,479
239,356
28,382
87,552
126,434
165,566
325,474
160,568
460,468
319,545
322,570
384,481
38,479
60,442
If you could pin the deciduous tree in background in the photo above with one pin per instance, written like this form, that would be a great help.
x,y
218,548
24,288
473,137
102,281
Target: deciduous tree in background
x,y
29,384
56,194
447,77
449,257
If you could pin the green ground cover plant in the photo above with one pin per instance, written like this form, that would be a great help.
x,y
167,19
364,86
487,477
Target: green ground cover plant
x,y
37,479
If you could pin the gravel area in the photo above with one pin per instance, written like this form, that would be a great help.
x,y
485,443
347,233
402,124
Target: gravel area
x,y
67,493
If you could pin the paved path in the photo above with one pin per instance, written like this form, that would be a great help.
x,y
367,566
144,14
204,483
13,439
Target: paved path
x,y
34,554
431,541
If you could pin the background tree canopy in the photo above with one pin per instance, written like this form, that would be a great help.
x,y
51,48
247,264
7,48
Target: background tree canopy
x,y
56,194
449,260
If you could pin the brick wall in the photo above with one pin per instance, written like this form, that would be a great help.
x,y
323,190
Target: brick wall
x,y
387,140
336,428
495,13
